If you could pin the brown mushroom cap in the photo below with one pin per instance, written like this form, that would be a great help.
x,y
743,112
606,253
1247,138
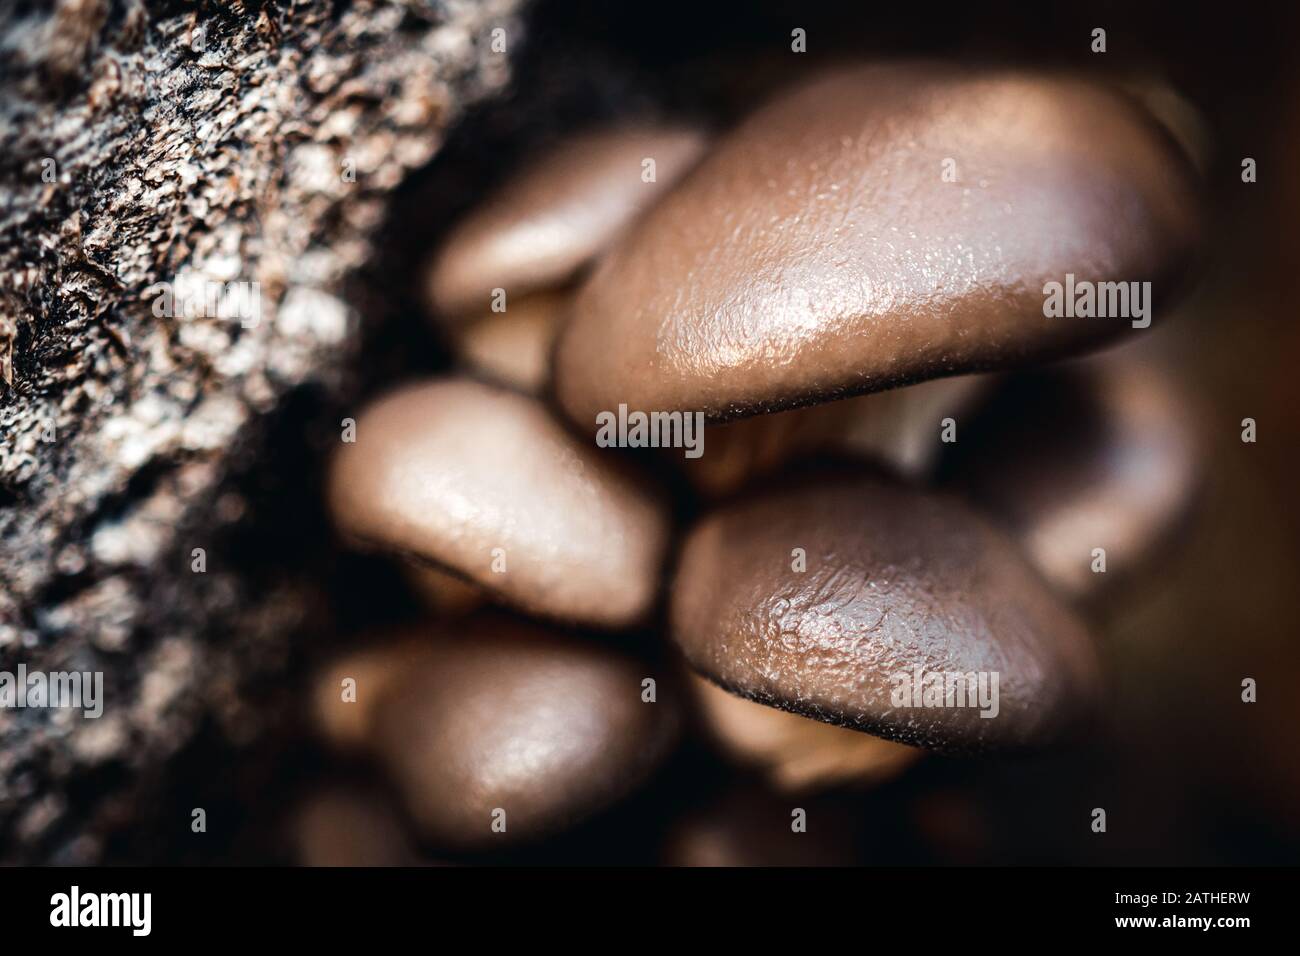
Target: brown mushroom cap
x,y
901,588
796,753
508,715
486,482
818,251
542,226
1096,454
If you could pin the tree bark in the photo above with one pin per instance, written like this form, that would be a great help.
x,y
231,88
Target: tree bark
x,y
241,151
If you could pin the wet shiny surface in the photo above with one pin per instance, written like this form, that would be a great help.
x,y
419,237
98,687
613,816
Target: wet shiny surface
x,y
817,250
485,482
895,580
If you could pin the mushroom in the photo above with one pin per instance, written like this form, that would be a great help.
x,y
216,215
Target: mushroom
x,y
796,753
1090,466
485,482
880,226
542,226
851,599
506,731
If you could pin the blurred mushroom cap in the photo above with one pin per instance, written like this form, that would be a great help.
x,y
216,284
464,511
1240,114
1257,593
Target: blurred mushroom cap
x,y
345,693
748,825
1098,455
514,347
555,215
349,827
506,731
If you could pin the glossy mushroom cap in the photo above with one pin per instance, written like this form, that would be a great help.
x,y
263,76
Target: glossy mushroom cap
x,y
506,715
901,589
484,481
820,250
1099,454
796,753
539,228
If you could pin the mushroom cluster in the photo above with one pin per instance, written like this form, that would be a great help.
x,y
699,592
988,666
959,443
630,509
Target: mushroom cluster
x,y
894,529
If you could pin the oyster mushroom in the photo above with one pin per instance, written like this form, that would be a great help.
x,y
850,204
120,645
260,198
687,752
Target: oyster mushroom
x,y
542,226
507,731
879,226
485,482
900,592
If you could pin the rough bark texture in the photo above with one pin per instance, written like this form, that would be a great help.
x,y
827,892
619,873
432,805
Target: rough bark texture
x,y
144,144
